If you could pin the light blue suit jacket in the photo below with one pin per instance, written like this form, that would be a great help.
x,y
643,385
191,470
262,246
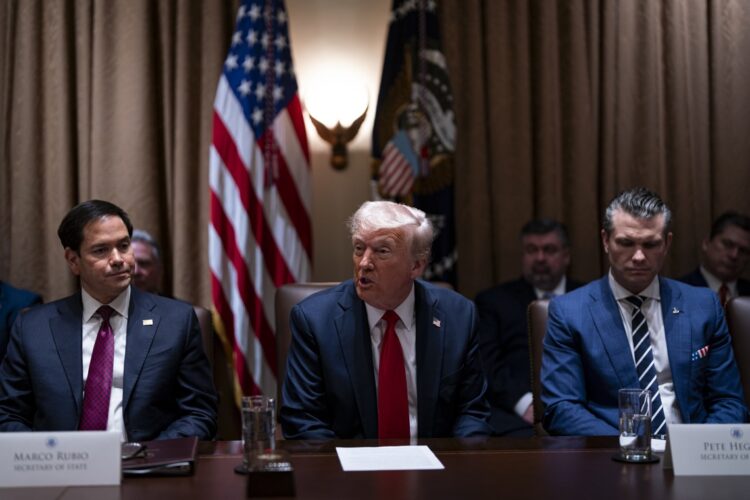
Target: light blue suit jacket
x,y
587,359
167,385
329,389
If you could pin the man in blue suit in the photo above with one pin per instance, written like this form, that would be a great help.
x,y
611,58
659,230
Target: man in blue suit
x,y
385,355
108,357
634,329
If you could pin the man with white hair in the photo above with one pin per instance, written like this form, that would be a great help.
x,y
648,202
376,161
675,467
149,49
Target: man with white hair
x,y
385,355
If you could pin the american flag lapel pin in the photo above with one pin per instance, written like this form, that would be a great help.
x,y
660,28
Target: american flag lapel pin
x,y
148,322
436,322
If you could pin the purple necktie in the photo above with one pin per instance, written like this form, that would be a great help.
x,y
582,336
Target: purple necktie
x,y
99,381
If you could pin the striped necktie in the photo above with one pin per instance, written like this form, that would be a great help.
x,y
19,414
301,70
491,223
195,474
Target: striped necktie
x,y
644,364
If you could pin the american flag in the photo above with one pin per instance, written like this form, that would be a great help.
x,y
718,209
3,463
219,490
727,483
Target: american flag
x,y
414,133
260,234
700,353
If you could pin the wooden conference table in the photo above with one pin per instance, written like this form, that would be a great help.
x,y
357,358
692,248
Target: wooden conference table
x,y
506,468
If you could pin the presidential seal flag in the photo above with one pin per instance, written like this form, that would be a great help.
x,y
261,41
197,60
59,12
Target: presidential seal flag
x,y
414,133
260,234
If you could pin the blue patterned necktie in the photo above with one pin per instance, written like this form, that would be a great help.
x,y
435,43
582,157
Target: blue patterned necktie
x,y
644,364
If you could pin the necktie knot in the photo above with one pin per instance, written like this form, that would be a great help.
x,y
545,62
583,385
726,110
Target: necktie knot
x,y
105,312
390,318
636,300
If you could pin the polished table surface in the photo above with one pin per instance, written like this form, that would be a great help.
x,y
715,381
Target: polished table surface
x,y
544,467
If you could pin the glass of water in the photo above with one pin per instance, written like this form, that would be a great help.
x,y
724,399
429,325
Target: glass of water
x,y
635,424
258,432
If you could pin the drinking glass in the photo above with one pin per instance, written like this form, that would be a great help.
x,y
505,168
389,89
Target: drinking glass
x,y
258,431
635,424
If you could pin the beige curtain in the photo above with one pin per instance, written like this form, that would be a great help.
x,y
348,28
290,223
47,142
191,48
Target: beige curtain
x,y
562,104
113,100
559,105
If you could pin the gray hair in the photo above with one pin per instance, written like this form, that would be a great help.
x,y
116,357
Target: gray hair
x,y
145,237
640,203
376,215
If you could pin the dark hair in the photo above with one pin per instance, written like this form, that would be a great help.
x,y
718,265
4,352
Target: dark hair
x,y
640,203
727,219
70,231
546,226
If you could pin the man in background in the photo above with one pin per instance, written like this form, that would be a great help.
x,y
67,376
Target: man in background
x,y
503,330
12,301
635,329
385,355
149,270
109,357
724,257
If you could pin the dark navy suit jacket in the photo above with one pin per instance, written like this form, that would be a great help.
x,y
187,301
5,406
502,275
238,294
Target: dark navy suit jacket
x,y
587,359
168,389
504,344
329,389
696,278
12,301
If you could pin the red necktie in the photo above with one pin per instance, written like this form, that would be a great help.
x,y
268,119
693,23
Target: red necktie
x,y
99,381
393,403
723,294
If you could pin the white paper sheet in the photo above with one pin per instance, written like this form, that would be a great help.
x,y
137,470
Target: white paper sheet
x,y
388,458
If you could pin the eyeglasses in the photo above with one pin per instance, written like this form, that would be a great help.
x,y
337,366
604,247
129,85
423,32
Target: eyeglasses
x,y
132,450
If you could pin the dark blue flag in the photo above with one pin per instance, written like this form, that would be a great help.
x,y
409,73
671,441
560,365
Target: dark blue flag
x,y
414,133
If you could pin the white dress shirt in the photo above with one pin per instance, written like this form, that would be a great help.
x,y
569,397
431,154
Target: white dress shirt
x,y
652,311
715,283
119,323
406,331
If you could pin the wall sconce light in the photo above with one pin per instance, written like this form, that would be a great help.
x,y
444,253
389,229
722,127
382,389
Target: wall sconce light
x,y
338,137
339,101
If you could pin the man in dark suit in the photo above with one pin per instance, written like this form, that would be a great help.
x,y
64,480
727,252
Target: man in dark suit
x,y
503,330
149,269
12,301
386,355
108,357
724,257
634,329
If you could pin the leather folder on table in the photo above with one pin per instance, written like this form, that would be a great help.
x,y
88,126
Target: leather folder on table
x,y
164,457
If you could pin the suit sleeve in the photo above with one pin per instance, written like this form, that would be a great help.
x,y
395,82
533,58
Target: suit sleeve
x,y
304,413
16,397
504,349
724,399
563,382
473,411
195,394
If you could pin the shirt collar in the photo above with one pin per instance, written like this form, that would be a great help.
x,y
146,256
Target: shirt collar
x,y
405,311
715,283
556,292
620,292
119,304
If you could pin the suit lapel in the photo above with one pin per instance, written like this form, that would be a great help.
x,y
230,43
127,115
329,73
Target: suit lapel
x,y
429,356
354,337
142,310
608,321
67,335
677,331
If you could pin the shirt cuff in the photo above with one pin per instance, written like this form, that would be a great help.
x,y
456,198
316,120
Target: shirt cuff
x,y
523,404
